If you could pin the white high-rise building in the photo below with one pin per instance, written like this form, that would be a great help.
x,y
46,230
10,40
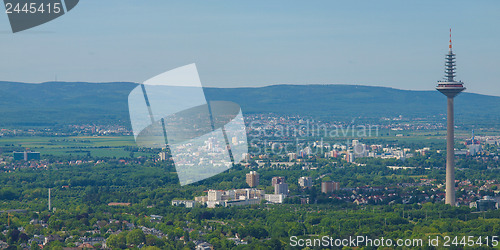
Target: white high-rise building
x,y
246,157
214,195
305,181
163,156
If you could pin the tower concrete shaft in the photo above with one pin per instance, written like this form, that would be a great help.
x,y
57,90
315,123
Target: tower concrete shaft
x,y
450,155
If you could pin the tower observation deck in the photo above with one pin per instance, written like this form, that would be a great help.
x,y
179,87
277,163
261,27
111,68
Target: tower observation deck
x,y
449,87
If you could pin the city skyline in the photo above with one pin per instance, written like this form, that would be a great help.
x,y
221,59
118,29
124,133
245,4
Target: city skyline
x,y
259,44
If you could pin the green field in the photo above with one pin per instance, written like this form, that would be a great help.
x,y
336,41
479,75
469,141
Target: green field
x,y
97,146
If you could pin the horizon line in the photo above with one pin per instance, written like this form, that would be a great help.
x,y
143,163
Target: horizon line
x,y
255,87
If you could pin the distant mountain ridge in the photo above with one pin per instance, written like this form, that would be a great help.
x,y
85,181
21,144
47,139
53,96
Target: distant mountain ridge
x,y
52,103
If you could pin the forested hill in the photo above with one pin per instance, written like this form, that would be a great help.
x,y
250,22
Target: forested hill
x,y
53,103
80,102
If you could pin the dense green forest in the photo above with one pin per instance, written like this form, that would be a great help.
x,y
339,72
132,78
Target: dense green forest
x,y
80,194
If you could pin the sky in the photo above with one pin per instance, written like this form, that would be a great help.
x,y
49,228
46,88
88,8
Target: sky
x,y
399,44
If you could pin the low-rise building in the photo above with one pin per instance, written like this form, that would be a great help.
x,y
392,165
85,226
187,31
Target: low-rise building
x,y
484,204
186,203
275,198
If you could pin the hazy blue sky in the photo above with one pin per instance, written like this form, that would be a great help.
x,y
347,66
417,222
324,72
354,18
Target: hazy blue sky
x,y
397,44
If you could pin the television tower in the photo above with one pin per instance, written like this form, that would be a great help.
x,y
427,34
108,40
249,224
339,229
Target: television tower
x,y
450,88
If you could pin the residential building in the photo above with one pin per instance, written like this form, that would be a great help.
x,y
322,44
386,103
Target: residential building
x,y
329,186
281,188
277,180
186,203
305,182
275,198
26,156
252,179
214,195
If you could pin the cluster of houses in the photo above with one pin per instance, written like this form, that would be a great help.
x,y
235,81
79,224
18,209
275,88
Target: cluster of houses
x,y
100,242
